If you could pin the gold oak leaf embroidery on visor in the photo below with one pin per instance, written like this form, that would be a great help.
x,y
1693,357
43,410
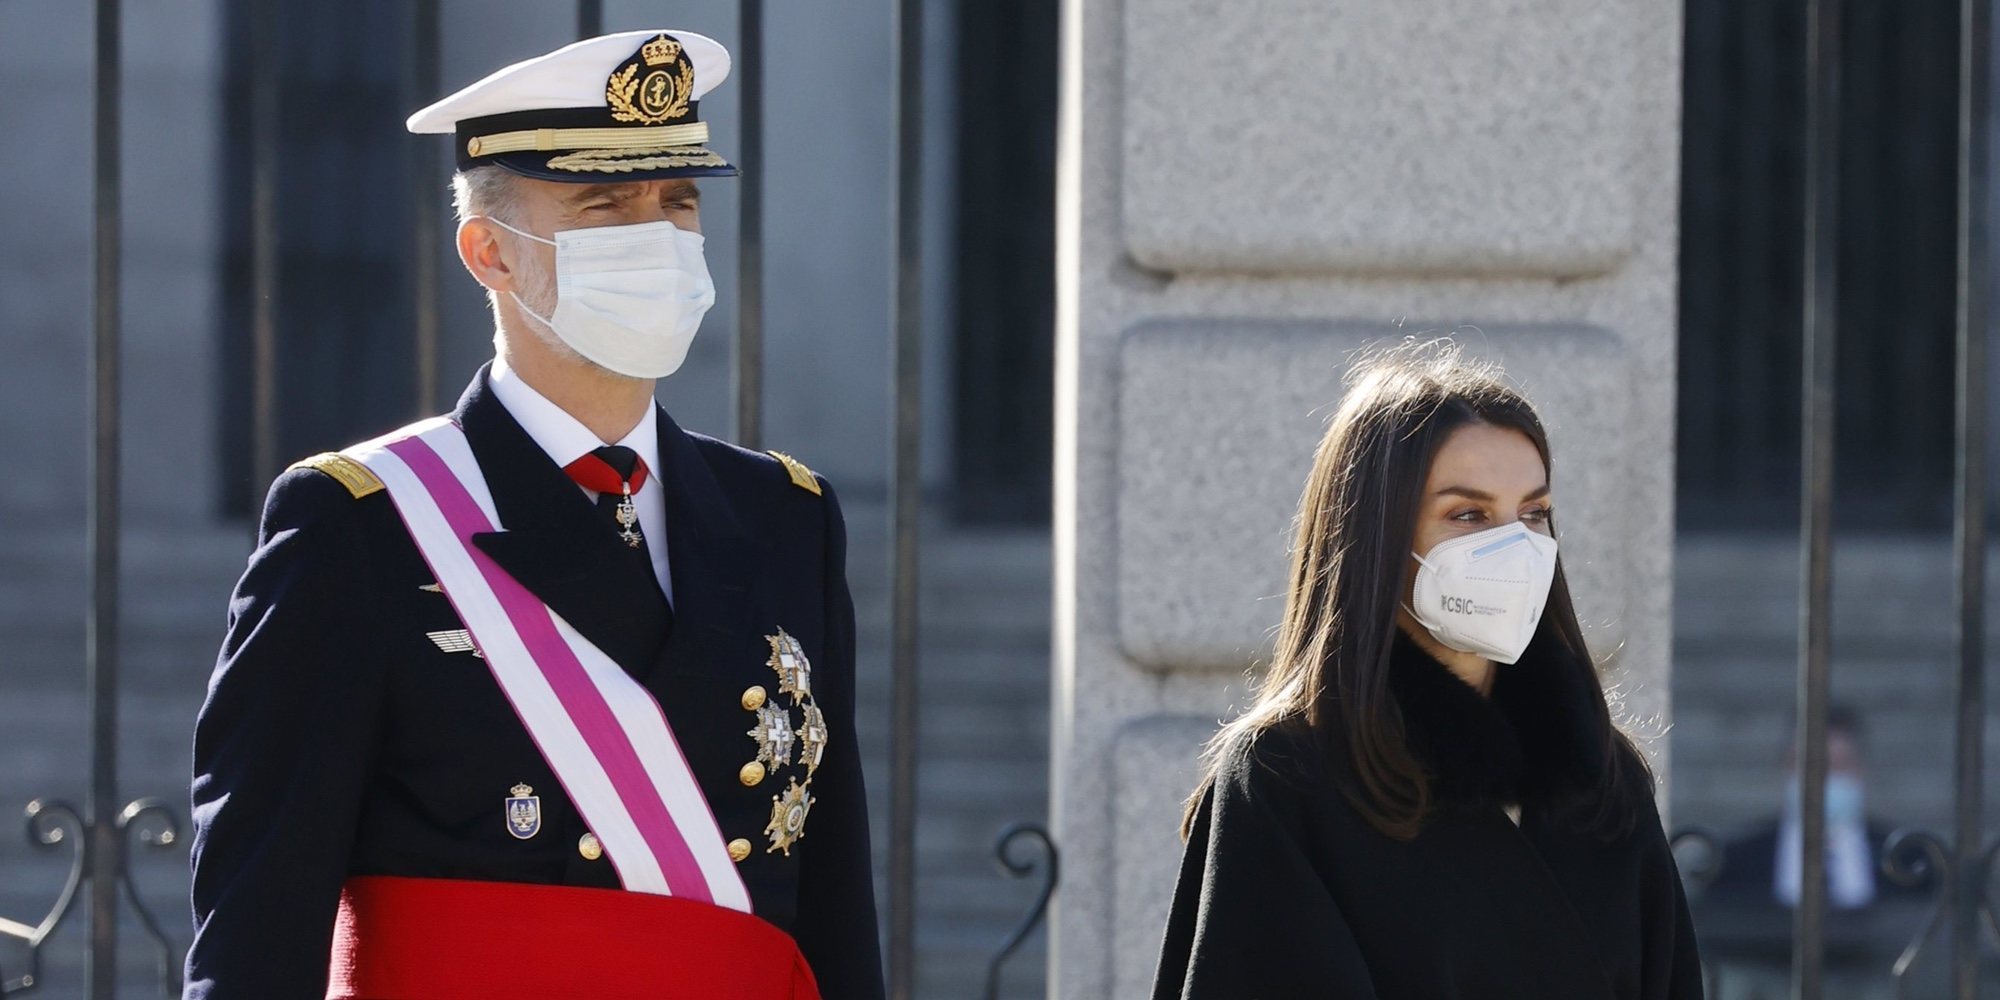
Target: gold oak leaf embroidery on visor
x,y
618,161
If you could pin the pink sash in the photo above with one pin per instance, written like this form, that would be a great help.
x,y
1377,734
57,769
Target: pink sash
x,y
600,730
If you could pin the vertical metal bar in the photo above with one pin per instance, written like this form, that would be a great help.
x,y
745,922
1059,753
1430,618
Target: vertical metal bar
x,y
589,18
264,86
749,357
906,476
1816,501
1968,890
105,855
425,216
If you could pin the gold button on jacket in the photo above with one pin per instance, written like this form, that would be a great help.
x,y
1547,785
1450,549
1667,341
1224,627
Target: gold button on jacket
x,y
588,846
739,849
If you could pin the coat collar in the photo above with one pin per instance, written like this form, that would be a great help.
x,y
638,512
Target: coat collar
x,y
711,558
1537,737
563,437
550,541
553,546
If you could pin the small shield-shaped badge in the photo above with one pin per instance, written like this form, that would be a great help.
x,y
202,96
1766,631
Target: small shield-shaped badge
x,y
524,812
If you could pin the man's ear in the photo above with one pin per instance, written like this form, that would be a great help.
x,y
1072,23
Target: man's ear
x,y
479,251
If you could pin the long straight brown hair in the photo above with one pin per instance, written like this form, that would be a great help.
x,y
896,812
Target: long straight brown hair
x,y
1350,573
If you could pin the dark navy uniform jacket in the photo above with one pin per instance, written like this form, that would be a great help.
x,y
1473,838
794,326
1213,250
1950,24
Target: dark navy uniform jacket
x,y
338,739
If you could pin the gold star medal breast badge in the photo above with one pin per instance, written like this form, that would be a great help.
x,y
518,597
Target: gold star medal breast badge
x,y
788,817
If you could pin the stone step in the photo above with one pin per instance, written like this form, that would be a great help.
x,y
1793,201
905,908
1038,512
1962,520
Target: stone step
x,y
1750,682
1735,663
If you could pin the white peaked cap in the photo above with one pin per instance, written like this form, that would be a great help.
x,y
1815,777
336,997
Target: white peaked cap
x,y
619,106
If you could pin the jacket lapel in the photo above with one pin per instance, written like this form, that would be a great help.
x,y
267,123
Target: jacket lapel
x,y
712,562
550,542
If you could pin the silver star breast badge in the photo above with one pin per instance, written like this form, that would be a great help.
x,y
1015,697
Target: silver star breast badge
x,y
773,734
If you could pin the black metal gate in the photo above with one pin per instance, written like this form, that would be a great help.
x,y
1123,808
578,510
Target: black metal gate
x,y
1744,160
1877,96
100,832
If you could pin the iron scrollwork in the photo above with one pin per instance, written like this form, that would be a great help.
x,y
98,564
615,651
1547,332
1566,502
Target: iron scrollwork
x,y
156,826
1911,856
1699,853
54,823
51,823
1003,852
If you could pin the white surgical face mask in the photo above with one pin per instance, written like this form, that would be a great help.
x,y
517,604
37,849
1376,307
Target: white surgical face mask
x,y
1846,802
1483,593
628,298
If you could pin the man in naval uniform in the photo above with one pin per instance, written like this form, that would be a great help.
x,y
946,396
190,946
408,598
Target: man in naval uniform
x,y
551,697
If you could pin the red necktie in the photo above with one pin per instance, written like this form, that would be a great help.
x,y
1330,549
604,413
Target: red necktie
x,y
615,473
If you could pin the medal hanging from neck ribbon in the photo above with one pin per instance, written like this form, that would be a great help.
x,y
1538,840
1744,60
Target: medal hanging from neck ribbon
x,y
617,471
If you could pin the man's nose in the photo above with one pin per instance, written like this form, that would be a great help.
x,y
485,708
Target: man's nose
x,y
647,207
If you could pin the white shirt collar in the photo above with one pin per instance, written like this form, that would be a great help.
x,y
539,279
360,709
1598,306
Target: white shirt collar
x,y
562,436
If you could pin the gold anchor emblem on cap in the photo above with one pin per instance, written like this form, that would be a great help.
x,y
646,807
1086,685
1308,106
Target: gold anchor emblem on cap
x,y
662,95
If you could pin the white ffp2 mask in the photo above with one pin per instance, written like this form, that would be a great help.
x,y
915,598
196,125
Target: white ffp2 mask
x,y
1484,592
628,298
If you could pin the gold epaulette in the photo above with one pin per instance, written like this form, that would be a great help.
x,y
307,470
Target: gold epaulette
x,y
802,477
352,474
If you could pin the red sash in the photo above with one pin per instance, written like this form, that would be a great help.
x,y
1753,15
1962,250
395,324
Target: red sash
x,y
443,939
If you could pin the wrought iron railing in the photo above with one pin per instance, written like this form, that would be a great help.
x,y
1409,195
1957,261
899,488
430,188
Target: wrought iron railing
x,y
1003,852
53,824
100,833
1963,862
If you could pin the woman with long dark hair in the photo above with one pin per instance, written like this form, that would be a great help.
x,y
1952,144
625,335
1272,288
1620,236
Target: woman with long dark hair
x,y
1428,798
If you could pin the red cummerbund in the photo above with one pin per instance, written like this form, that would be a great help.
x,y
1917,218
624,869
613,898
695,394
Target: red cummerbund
x,y
442,939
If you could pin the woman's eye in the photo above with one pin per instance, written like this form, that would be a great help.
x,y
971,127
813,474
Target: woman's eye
x,y
1469,516
1537,514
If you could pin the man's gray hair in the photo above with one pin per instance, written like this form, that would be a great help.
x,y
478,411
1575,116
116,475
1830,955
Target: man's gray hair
x,y
494,192
488,190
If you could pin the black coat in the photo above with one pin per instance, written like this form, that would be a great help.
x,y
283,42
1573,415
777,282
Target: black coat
x,y
1286,891
338,739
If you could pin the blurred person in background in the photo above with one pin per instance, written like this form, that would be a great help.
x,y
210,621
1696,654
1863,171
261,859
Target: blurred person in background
x,y
1746,909
1766,858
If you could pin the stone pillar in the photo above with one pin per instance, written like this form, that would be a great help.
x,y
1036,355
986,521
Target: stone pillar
x,y
1248,192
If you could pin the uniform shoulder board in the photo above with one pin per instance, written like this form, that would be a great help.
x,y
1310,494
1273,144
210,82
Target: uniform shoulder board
x,y
802,477
352,474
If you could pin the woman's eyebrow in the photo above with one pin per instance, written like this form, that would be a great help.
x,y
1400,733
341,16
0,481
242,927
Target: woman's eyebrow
x,y
1484,497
